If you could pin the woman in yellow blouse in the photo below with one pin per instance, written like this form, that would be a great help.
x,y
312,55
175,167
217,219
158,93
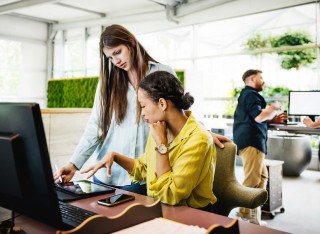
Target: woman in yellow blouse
x,y
179,159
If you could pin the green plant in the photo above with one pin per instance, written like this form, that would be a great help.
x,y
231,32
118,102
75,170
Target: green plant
x,y
277,91
235,92
290,58
294,58
314,142
232,104
230,107
256,42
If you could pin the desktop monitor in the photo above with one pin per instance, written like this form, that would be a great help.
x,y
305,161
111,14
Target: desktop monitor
x,y
11,166
304,103
26,180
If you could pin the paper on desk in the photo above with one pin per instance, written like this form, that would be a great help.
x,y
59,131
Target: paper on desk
x,y
162,226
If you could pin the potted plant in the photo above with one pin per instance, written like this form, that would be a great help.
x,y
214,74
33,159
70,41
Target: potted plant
x,y
294,58
289,58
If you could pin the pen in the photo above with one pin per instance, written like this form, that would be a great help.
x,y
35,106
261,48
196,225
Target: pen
x,y
57,169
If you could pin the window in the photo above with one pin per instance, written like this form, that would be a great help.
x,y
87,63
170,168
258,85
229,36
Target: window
x,y
10,64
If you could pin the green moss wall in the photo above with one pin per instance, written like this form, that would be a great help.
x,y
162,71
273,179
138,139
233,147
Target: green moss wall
x,y
72,93
77,93
180,75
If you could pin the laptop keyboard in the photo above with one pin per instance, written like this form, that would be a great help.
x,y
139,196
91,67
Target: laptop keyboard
x,y
73,215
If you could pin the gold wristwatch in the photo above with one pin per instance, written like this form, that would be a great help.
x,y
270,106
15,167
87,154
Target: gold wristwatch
x,y
162,149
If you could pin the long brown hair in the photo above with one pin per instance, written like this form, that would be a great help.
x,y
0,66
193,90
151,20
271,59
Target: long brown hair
x,y
114,81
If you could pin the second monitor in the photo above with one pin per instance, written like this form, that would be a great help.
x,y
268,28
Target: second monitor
x,y
304,103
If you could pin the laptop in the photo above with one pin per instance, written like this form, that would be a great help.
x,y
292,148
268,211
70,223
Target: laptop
x,y
32,193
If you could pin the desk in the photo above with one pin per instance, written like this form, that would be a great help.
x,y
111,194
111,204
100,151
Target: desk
x,y
294,129
180,214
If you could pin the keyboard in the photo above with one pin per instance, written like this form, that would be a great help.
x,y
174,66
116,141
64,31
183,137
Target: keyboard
x,y
73,215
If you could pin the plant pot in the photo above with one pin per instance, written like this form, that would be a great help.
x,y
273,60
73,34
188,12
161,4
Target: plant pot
x,y
294,150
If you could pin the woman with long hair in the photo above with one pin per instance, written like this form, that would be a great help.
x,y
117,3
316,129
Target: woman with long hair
x,y
115,123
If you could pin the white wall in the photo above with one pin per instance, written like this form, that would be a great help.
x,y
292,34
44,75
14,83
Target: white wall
x,y
33,38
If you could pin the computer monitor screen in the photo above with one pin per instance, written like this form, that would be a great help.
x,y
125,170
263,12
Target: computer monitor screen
x,y
25,164
304,103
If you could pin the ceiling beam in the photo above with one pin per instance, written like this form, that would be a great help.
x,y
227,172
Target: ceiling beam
x,y
138,17
192,7
37,19
10,7
81,9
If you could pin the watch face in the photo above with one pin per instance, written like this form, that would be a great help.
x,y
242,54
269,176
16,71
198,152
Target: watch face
x,y
162,149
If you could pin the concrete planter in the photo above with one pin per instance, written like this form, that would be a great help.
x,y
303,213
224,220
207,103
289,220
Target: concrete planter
x,y
294,150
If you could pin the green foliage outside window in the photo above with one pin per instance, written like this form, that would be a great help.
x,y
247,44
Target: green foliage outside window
x,y
289,58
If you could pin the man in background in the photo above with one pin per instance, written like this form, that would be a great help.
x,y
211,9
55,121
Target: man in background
x,y
250,134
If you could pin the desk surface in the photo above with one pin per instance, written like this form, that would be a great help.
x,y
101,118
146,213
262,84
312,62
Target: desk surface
x,y
294,129
180,214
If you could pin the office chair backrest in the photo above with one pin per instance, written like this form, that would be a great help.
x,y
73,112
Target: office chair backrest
x,y
229,192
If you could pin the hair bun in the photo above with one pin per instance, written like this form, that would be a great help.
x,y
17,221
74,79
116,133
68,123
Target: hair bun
x,y
186,101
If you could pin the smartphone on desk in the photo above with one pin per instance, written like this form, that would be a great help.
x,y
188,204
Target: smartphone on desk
x,y
116,199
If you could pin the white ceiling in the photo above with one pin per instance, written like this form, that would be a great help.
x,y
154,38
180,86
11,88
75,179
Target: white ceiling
x,y
147,15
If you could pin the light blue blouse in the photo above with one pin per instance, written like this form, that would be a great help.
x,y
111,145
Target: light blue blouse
x,y
127,138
